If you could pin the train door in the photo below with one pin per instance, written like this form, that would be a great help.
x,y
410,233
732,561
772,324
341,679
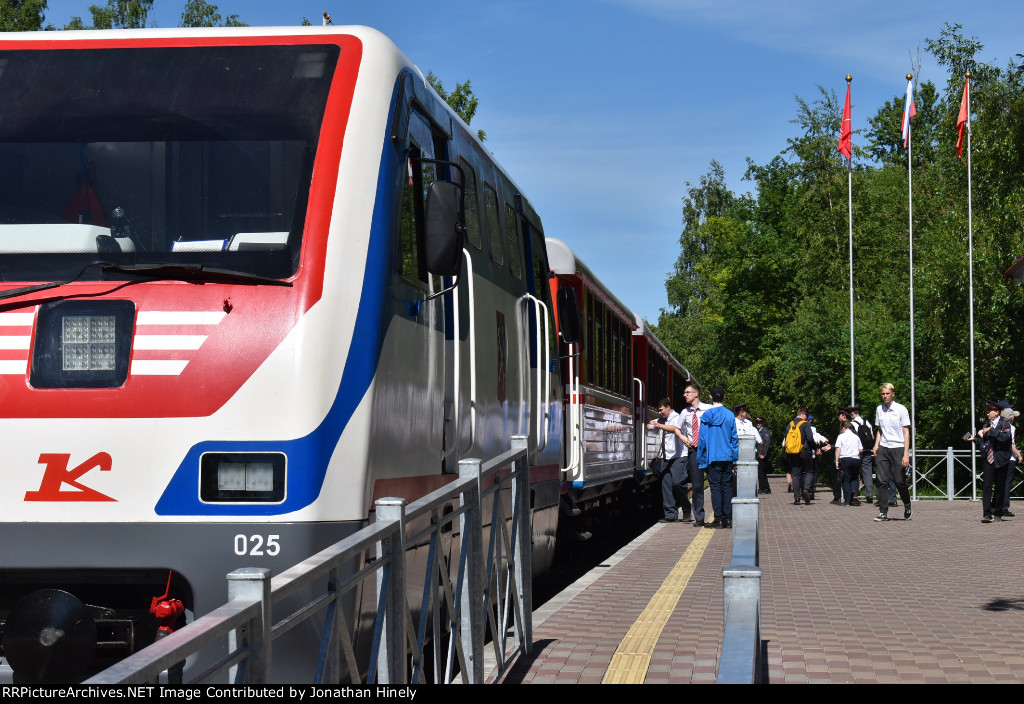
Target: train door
x,y
545,379
461,357
411,370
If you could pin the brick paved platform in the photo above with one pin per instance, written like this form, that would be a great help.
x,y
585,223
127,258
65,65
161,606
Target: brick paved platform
x,y
845,599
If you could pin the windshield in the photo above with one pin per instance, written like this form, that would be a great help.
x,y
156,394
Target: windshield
x,y
180,155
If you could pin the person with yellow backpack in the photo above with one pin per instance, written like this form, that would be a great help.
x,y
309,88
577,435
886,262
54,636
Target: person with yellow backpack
x,y
800,447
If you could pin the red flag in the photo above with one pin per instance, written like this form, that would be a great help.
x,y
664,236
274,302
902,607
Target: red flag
x,y
963,119
845,130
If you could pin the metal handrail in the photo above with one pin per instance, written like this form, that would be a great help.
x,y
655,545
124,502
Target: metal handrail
x,y
952,460
478,594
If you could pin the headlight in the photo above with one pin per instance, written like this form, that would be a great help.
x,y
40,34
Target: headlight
x,y
242,477
82,344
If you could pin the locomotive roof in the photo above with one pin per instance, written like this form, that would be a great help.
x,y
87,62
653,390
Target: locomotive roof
x,y
645,330
562,260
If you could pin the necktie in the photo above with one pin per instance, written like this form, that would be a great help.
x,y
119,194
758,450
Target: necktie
x,y
694,428
991,452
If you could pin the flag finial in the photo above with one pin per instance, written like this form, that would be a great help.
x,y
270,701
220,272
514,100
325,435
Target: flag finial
x,y
968,74
910,76
849,78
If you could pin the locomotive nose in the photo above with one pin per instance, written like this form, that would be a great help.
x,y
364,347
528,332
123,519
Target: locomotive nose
x,y
49,638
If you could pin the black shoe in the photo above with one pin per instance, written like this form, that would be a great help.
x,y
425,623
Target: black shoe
x,y
893,504
727,524
835,502
797,502
869,500
807,496
714,524
698,524
687,517
883,517
1007,514
908,512
854,502
986,519
668,520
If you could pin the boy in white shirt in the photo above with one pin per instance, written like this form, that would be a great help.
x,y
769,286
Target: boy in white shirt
x,y
848,448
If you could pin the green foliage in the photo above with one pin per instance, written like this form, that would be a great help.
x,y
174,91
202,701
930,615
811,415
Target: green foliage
x,y
461,100
119,14
199,13
759,299
21,15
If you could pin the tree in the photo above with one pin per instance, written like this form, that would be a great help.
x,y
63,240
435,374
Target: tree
x,y
121,14
199,13
461,100
21,15
759,297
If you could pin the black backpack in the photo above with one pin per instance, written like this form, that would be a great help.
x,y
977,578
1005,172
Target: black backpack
x,y
865,435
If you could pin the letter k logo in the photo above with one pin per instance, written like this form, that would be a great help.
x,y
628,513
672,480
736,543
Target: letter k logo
x,y
57,474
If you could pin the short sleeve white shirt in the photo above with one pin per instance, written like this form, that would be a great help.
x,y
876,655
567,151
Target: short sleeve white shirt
x,y
673,447
890,421
848,444
686,422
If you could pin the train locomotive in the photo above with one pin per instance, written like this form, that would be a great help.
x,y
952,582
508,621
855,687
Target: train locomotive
x,y
254,279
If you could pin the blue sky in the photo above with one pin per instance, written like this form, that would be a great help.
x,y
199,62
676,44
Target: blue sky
x,y
602,110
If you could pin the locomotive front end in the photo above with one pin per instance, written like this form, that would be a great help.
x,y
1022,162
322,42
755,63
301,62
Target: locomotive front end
x,y
165,201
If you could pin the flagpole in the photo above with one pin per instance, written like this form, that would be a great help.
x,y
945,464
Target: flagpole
x,y
910,215
849,192
970,277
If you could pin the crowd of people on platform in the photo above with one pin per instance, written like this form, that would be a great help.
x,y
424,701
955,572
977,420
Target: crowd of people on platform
x,y
702,442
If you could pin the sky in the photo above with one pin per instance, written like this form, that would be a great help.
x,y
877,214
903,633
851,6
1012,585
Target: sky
x,y
603,110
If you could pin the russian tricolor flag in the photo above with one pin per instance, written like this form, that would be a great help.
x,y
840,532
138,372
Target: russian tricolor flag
x,y
909,110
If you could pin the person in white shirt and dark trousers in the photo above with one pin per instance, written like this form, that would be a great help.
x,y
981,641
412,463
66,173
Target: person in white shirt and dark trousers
x,y
848,448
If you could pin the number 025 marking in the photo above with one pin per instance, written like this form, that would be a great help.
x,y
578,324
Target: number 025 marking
x,y
257,545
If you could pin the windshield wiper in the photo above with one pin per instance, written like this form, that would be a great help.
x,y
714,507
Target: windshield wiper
x,y
192,272
52,284
181,272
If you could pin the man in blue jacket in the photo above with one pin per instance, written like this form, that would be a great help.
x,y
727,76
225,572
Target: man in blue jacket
x,y
718,449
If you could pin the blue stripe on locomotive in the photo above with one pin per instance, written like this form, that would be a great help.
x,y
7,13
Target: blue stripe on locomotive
x,y
309,456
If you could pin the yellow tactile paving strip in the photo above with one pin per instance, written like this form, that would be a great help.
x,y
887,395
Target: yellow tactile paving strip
x,y
633,656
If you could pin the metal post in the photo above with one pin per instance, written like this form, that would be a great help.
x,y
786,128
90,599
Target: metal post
x,y
950,489
391,664
523,573
741,643
746,469
471,588
252,583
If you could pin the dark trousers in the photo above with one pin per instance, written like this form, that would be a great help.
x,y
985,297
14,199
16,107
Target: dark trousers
x,y
994,479
1011,472
889,468
720,479
849,470
762,476
838,479
866,461
801,468
673,491
697,482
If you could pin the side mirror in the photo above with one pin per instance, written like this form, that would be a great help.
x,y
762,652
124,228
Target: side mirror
x,y
569,316
446,229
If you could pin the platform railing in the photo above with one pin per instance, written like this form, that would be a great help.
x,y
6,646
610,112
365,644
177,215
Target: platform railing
x,y
482,593
935,475
740,659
